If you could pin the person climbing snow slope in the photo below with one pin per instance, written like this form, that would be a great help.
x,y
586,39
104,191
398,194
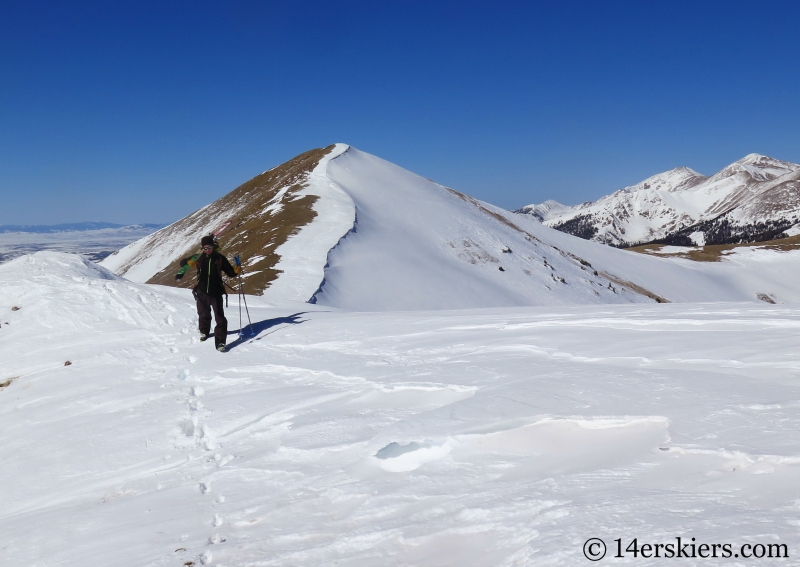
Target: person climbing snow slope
x,y
209,290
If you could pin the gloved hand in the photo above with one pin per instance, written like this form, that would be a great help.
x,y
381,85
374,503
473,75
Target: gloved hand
x,y
237,270
192,263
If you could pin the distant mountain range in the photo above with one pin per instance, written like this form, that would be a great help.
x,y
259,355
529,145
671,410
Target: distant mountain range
x,y
93,240
75,226
754,199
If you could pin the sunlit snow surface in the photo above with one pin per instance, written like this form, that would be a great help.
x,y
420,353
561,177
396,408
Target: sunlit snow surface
x,y
507,436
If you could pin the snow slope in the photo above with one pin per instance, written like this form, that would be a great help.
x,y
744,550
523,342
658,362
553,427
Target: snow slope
x,y
494,437
418,245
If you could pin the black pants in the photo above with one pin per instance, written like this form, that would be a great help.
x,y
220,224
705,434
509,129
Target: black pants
x,y
205,304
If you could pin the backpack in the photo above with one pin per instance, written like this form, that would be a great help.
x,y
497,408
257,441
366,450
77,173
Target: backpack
x,y
219,271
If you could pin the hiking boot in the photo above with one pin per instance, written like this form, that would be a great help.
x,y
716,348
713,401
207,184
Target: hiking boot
x,y
203,337
221,348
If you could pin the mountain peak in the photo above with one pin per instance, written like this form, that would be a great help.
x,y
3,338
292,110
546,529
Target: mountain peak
x,y
754,158
676,179
761,161
757,167
546,210
345,229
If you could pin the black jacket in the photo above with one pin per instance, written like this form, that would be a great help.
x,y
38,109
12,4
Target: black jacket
x,y
209,273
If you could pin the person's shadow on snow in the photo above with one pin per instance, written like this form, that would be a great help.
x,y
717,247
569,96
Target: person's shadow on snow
x,y
253,332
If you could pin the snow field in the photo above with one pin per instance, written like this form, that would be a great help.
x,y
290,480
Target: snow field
x,y
496,437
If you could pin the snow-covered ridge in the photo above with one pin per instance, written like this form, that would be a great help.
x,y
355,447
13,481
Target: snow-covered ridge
x,y
378,237
304,256
670,206
383,238
257,221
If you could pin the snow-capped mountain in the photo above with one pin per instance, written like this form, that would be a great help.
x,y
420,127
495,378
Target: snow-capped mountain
x,y
755,198
340,227
547,210
343,228
257,220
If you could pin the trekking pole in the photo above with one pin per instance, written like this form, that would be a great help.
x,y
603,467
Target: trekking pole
x,y
241,290
239,295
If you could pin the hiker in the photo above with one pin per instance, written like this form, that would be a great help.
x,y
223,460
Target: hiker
x,y
209,290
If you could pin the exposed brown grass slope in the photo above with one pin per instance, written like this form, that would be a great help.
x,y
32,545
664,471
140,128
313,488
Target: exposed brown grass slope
x,y
264,213
717,252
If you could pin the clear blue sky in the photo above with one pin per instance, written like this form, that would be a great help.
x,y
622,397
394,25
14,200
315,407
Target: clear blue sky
x,y
145,111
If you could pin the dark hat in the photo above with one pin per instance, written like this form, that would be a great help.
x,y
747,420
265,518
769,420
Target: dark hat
x,y
207,241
